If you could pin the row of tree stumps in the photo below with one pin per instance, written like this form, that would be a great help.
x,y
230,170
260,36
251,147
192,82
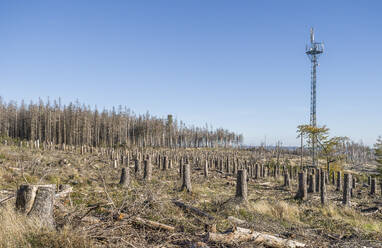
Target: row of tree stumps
x,y
37,200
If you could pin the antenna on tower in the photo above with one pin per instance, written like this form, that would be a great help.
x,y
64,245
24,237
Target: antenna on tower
x,y
313,50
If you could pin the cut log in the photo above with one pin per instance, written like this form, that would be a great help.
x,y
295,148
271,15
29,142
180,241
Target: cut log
x,y
239,234
153,224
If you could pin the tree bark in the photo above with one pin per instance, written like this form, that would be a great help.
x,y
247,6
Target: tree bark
x,y
241,185
37,201
302,190
147,170
186,178
346,189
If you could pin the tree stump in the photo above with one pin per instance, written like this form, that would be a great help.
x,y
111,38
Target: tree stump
x,y
206,169
338,181
125,177
165,163
372,186
181,168
286,180
312,183
302,190
346,188
241,185
37,201
147,170
257,171
323,187
333,178
186,178
137,167
318,181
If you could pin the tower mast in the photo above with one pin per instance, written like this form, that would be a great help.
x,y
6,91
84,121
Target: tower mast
x,y
313,50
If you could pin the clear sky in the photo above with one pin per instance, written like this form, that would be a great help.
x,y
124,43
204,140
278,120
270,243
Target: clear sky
x,y
233,64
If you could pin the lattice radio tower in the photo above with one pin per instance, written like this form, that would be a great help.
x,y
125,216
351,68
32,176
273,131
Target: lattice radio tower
x,y
313,50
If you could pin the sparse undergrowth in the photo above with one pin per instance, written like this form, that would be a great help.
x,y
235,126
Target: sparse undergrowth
x,y
101,213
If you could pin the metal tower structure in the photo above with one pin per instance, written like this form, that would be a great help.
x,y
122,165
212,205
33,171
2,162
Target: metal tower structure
x,y
313,50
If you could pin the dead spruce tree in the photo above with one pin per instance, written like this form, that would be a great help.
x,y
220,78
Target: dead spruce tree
x,y
241,185
186,185
37,201
302,193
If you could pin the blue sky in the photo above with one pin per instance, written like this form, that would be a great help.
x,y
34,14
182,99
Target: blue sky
x,y
233,64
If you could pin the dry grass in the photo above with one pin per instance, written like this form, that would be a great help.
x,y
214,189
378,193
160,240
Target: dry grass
x,y
280,210
19,231
353,218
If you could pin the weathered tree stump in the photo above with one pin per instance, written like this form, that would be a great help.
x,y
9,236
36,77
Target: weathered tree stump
x,y
312,183
206,169
323,187
318,181
286,180
181,168
333,178
147,170
346,189
125,177
186,178
338,181
241,185
165,163
302,190
37,201
257,171
373,186
137,167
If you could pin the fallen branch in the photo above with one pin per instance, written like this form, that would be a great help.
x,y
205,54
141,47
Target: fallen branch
x,y
153,224
236,221
239,234
64,192
193,209
6,199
